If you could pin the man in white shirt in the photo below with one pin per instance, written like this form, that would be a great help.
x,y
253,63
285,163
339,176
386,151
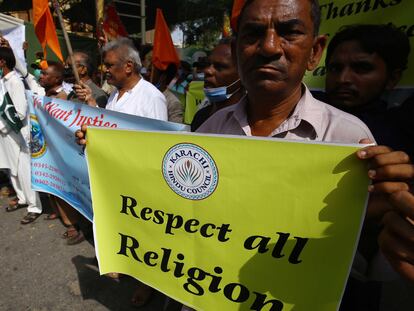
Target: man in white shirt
x,y
133,95
277,41
14,140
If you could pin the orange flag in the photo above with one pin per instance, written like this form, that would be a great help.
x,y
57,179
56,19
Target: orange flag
x,y
45,28
112,24
235,13
164,52
226,26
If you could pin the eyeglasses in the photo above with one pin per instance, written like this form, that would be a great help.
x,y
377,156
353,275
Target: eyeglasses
x,y
109,65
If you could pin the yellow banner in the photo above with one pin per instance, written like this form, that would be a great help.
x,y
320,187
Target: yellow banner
x,y
223,223
338,13
194,97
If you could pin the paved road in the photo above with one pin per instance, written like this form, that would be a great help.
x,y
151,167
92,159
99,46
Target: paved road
x,y
39,272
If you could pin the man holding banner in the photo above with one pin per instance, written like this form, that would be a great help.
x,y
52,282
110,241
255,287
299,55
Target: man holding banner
x,y
133,95
273,51
276,43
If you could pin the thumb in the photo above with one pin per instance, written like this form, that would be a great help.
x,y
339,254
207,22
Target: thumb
x,y
366,141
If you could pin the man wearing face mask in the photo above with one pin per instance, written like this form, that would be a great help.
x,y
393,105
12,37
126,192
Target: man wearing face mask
x,y
222,85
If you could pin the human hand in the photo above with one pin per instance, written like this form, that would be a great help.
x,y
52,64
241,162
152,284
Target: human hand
x,y
389,171
4,42
84,93
396,239
81,135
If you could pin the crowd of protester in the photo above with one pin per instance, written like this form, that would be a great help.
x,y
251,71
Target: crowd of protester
x,y
253,87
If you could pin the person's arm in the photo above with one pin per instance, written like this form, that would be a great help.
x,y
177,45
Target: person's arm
x,y
175,109
396,240
17,94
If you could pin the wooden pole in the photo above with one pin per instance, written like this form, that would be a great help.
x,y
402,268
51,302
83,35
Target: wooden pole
x,y
99,6
143,20
68,45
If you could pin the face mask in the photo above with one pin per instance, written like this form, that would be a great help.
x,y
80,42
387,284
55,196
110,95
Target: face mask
x,y
37,73
219,94
1,72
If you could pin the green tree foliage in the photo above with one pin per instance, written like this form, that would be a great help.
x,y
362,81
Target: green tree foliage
x,y
204,21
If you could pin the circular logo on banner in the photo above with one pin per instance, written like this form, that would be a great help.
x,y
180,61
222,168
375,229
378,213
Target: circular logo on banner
x,y
37,141
190,171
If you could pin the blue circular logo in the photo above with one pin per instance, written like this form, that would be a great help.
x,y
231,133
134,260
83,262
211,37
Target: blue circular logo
x,y
190,171
37,140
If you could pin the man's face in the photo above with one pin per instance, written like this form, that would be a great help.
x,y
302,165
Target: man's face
x,y
49,78
79,62
354,77
275,46
221,71
115,73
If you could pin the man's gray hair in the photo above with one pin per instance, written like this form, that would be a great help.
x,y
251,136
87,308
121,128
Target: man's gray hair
x,y
125,50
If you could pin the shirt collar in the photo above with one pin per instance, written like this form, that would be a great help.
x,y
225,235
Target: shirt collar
x,y
131,90
305,111
240,114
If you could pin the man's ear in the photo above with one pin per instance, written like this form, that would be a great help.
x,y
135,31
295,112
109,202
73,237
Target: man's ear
x,y
393,79
129,67
319,44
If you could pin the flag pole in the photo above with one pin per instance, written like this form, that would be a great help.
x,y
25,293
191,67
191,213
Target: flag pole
x,y
68,45
99,7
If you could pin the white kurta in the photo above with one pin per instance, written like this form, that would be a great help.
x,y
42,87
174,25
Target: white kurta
x,y
143,100
11,142
14,147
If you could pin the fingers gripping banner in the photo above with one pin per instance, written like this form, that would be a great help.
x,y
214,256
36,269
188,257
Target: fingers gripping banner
x,y
227,223
58,163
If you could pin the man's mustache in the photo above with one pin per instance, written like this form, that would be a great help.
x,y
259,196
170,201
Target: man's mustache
x,y
276,64
345,89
